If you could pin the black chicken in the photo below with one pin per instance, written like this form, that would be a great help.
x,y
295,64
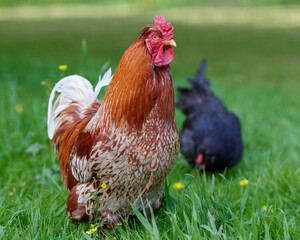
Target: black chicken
x,y
211,135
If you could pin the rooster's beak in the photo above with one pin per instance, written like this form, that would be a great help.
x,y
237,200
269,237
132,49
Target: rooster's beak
x,y
171,43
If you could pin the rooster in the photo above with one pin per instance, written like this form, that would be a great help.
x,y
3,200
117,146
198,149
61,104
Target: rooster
x,y
211,135
118,151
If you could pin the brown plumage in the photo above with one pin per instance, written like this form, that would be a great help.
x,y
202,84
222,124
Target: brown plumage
x,y
129,141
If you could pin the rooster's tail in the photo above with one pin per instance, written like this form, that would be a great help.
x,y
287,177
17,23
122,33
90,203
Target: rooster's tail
x,y
76,94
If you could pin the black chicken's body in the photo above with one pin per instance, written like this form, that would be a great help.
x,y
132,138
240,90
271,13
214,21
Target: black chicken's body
x,y
211,135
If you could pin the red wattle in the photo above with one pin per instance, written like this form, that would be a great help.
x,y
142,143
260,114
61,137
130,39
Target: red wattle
x,y
164,56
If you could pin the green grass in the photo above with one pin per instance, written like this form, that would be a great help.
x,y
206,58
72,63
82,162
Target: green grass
x,y
254,70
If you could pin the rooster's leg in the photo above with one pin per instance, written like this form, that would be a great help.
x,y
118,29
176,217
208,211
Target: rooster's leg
x,y
110,220
155,205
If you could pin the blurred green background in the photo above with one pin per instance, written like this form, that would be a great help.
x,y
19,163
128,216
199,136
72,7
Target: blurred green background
x,y
253,54
149,2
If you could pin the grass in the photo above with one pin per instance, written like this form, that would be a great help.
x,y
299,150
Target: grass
x,y
253,70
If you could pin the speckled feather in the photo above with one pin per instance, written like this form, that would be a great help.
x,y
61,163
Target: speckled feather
x,y
129,141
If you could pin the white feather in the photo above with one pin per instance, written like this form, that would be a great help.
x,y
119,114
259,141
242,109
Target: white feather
x,y
103,82
72,89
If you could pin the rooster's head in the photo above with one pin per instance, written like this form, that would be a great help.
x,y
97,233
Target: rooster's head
x,y
159,41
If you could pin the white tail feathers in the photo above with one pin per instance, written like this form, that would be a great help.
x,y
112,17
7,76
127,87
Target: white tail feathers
x,y
104,82
73,89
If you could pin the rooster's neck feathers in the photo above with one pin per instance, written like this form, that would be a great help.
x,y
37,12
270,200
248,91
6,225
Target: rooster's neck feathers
x,y
136,87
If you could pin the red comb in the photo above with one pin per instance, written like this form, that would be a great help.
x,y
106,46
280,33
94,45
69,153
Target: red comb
x,y
165,28
199,159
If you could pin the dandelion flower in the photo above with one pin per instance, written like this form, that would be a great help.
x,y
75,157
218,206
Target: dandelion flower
x,y
92,230
19,108
103,185
178,185
92,225
244,182
11,193
264,208
62,67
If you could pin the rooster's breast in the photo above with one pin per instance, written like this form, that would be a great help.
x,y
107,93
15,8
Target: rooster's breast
x,y
134,163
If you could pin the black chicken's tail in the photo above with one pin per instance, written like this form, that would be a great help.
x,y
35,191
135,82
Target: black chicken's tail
x,y
199,81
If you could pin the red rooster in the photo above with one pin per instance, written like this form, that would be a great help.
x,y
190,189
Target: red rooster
x,y
121,150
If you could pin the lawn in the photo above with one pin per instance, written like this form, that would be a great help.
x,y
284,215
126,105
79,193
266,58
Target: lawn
x,y
253,67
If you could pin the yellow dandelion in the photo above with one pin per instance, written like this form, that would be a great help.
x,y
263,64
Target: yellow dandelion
x,y
178,185
92,230
62,67
264,208
11,193
244,182
103,185
92,225
19,108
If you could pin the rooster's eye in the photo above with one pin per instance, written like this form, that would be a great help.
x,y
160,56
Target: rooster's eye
x,y
154,37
